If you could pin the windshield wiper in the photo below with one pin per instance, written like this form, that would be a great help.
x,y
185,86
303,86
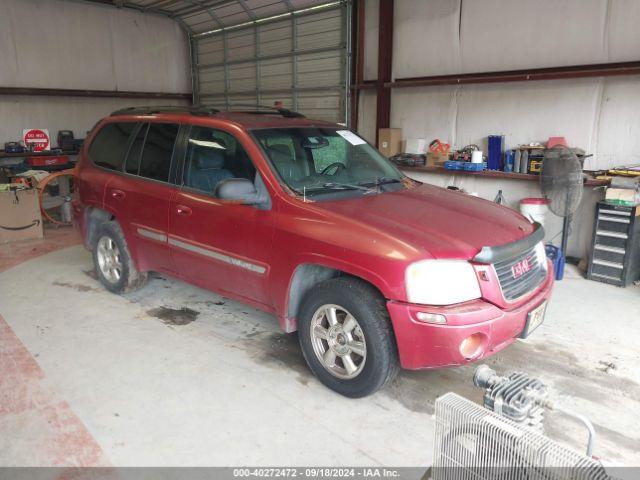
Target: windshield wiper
x,y
338,186
380,181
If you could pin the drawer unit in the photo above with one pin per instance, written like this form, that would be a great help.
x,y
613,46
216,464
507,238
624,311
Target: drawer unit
x,y
615,253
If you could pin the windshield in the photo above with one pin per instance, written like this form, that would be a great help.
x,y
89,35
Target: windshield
x,y
317,161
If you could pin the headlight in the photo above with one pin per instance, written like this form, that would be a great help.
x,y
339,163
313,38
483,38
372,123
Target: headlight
x,y
542,255
441,282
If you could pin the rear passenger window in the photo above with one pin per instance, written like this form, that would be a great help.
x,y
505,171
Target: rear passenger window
x,y
110,145
158,150
132,164
151,151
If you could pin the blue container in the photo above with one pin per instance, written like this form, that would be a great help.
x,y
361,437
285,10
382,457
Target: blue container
x,y
557,257
473,167
508,160
454,165
495,155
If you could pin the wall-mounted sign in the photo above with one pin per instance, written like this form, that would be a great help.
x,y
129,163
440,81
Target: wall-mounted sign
x,y
36,139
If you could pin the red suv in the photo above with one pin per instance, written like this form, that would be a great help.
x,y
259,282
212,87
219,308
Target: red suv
x,y
306,220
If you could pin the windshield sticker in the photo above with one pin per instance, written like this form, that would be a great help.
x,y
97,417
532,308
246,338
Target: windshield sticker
x,y
351,137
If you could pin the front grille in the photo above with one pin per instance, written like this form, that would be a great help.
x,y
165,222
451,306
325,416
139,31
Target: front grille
x,y
514,286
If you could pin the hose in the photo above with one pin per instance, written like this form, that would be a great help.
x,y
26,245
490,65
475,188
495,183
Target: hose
x,y
41,187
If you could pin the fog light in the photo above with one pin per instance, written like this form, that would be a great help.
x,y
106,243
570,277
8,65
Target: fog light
x,y
431,318
471,347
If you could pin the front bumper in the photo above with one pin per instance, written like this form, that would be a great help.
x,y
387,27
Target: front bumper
x,y
425,345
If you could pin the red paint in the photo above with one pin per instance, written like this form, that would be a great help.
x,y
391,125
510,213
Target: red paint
x,y
12,254
47,161
372,237
62,439
535,201
423,345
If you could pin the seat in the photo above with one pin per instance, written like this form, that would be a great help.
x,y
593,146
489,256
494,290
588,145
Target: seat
x,y
206,169
284,162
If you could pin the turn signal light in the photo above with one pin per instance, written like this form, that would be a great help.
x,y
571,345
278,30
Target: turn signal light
x,y
431,318
471,347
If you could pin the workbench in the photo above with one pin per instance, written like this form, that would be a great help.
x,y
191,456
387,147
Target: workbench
x,y
495,174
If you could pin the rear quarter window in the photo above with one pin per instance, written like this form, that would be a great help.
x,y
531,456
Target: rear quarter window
x,y
110,145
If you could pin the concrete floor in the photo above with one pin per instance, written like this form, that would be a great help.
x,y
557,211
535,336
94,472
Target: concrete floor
x,y
92,378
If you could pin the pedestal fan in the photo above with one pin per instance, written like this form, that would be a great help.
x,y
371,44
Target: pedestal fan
x,y
561,183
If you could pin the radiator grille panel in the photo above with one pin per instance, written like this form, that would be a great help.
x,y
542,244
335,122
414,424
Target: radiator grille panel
x,y
513,286
472,442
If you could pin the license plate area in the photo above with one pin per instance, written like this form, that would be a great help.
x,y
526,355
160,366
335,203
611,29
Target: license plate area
x,y
534,319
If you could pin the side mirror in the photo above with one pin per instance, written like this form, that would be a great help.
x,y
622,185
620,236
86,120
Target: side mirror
x,y
240,190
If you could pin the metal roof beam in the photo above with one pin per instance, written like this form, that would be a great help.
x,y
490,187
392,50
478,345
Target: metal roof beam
x,y
201,8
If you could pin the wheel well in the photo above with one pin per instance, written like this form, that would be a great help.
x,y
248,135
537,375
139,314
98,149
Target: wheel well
x,y
304,279
95,216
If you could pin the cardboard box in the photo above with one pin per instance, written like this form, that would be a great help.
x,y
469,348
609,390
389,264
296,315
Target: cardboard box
x,y
625,196
20,217
390,141
415,146
436,159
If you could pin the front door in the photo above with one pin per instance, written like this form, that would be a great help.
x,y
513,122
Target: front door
x,y
220,246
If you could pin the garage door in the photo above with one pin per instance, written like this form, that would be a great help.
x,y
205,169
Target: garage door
x,y
299,60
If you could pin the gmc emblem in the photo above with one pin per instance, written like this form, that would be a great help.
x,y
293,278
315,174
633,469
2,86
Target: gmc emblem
x,y
522,267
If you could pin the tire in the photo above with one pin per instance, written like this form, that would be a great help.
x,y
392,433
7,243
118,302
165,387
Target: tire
x,y
112,260
370,344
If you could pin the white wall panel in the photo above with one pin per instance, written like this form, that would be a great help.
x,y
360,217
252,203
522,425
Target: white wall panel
x,y
58,44
514,34
434,37
76,45
58,113
623,34
425,38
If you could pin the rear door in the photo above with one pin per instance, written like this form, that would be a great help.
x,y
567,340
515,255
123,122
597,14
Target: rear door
x,y
217,245
141,194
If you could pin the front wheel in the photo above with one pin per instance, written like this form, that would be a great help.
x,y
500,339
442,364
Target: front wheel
x,y
346,337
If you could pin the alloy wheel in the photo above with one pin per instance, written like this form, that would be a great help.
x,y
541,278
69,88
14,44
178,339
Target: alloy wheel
x,y
109,259
338,341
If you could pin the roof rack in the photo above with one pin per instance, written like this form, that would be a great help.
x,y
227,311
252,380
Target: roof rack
x,y
154,109
265,110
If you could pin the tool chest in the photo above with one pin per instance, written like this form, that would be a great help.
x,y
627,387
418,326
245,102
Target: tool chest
x,y
615,254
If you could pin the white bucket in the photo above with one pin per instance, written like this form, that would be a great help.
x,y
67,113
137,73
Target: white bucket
x,y
535,209
476,156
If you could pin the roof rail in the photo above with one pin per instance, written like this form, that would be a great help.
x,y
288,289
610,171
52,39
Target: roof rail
x,y
153,109
265,110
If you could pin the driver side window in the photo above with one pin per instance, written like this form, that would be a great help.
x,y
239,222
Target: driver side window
x,y
213,156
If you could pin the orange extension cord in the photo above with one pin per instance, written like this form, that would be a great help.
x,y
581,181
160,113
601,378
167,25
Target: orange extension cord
x,y
42,185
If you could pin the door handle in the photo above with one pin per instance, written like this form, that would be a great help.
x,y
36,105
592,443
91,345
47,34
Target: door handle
x,y
118,194
183,210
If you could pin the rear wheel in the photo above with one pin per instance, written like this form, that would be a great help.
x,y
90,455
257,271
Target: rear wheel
x,y
346,337
112,260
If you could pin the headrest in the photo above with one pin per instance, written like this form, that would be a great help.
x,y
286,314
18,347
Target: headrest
x,y
207,158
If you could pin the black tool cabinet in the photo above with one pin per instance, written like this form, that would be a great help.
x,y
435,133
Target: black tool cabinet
x,y
615,253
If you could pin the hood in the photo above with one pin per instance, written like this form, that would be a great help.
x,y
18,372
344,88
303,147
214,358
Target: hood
x,y
444,223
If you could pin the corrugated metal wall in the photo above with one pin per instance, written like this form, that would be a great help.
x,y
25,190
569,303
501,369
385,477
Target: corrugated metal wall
x,y
299,61
75,45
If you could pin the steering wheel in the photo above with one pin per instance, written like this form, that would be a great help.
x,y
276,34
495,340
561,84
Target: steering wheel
x,y
338,166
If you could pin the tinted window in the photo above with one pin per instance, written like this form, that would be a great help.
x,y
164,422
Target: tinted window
x,y
110,145
213,156
132,164
158,150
